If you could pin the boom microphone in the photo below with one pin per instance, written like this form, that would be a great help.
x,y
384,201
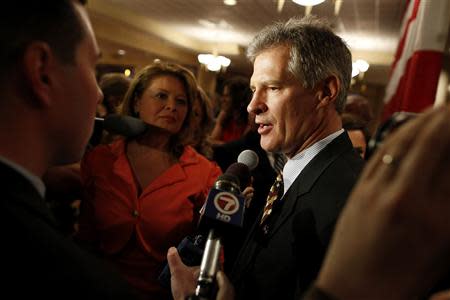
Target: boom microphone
x,y
123,125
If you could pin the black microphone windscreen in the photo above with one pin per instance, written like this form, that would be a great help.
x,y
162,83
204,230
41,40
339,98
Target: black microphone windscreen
x,y
242,172
124,125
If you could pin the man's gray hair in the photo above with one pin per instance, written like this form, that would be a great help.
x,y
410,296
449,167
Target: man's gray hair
x,y
315,52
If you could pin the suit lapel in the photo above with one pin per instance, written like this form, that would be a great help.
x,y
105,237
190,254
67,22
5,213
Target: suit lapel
x,y
309,175
302,185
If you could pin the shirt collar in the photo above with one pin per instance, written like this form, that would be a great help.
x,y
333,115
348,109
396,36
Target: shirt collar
x,y
295,165
33,179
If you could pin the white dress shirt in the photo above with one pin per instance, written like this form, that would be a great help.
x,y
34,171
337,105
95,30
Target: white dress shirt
x,y
295,165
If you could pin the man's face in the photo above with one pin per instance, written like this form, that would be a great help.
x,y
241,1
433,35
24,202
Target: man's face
x,y
76,97
285,111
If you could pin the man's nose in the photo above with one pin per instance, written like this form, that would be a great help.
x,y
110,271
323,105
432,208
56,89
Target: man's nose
x,y
257,104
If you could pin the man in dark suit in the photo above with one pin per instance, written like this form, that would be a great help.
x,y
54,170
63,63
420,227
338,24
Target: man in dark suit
x,y
49,95
301,75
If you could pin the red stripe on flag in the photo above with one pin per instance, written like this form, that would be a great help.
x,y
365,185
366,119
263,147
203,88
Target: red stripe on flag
x,y
417,87
401,44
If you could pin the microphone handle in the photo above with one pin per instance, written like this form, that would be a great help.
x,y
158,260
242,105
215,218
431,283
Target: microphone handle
x,y
210,264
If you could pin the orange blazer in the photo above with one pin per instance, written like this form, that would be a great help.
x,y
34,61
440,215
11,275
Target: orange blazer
x,y
136,231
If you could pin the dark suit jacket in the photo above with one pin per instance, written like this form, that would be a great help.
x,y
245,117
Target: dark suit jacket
x,y
282,263
39,262
263,178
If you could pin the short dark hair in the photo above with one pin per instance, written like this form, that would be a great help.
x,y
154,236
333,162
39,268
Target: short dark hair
x,y
54,22
354,122
315,52
114,87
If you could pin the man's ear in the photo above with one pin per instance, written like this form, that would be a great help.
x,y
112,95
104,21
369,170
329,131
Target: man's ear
x,y
38,63
328,90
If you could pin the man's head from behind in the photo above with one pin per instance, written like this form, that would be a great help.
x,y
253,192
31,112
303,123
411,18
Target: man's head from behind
x,y
302,72
54,22
48,56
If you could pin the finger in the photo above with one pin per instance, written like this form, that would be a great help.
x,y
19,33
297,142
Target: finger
x,y
226,290
174,260
195,272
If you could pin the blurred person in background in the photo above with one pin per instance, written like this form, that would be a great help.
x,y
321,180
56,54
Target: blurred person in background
x,y
114,87
359,106
233,121
357,131
202,124
144,194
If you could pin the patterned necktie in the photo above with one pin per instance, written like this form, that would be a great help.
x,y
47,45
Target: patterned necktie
x,y
275,193
279,160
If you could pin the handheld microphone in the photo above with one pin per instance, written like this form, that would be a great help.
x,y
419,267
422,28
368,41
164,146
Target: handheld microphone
x,y
222,213
224,208
123,125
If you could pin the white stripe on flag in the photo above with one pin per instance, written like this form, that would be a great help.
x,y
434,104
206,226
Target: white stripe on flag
x,y
426,31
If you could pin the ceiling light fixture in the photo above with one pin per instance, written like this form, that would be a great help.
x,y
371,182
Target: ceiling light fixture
x,y
214,62
308,2
229,2
355,70
362,65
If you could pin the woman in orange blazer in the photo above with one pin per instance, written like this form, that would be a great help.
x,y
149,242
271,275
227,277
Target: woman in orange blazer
x,y
144,194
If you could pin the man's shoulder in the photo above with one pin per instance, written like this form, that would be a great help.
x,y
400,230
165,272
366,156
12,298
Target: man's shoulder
x,y
41,259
